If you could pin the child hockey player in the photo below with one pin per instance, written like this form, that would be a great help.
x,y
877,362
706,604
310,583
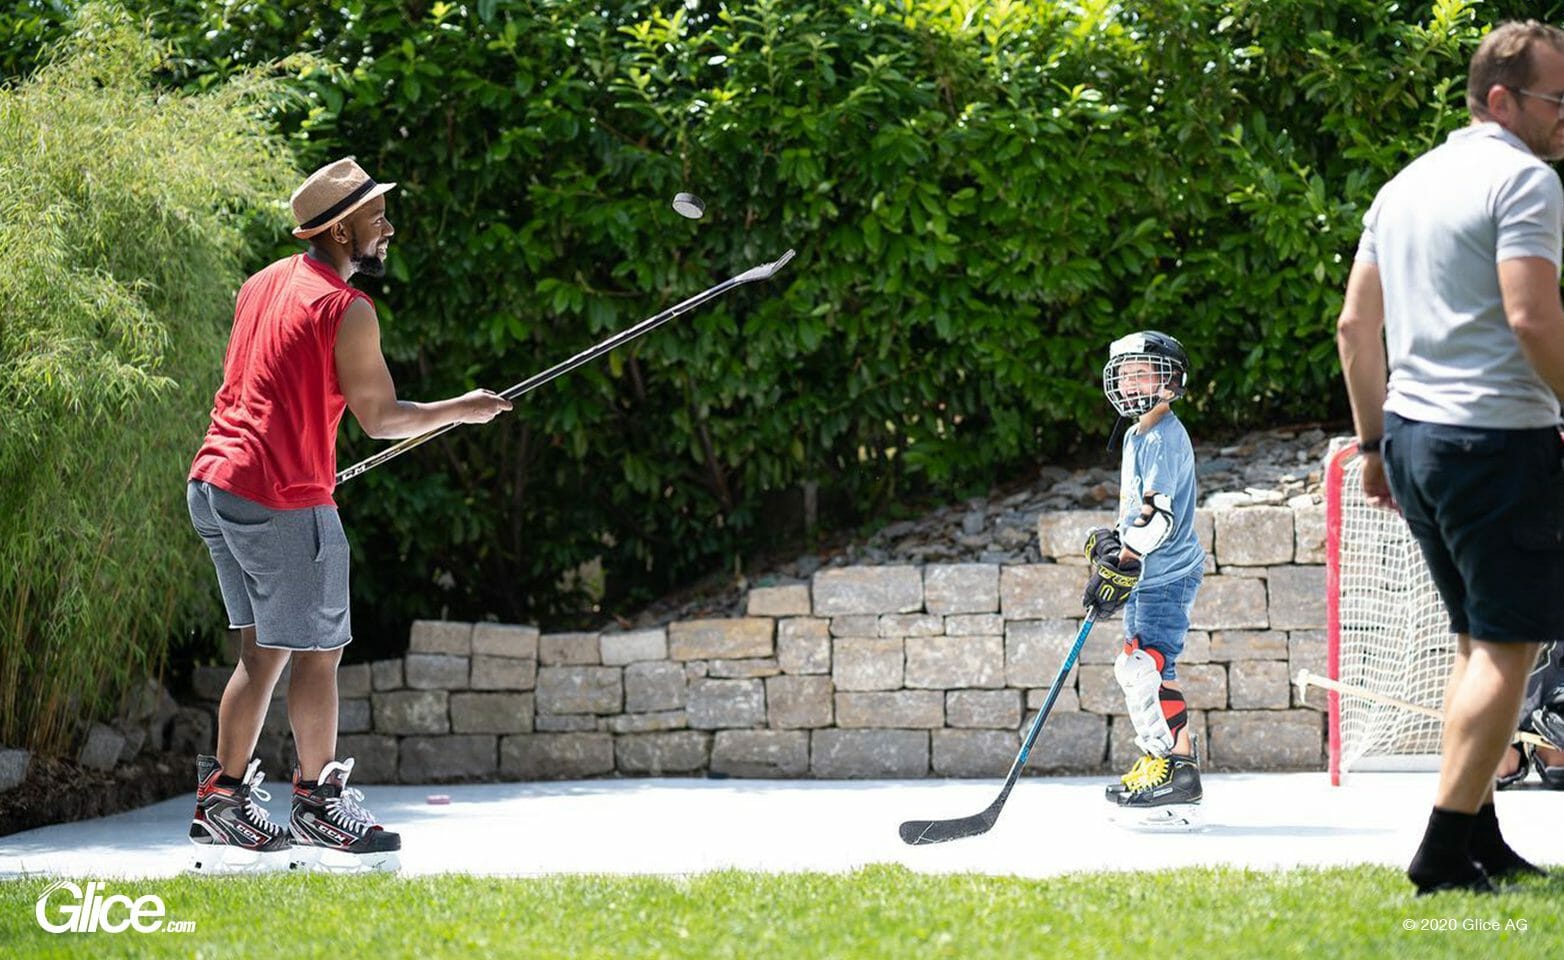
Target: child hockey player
x,y
1151,565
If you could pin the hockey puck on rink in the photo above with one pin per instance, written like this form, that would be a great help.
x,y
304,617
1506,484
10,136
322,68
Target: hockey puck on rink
x,y
438,798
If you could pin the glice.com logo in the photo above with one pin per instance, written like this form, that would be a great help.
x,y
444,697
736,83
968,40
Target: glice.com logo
x,y
64,908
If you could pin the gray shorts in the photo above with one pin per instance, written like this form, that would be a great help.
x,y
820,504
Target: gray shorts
x,y
285,572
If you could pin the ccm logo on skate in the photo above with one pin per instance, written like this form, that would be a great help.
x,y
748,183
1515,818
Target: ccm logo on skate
x,y
64,908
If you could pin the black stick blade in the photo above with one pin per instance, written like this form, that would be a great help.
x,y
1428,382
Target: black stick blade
x,y
920,832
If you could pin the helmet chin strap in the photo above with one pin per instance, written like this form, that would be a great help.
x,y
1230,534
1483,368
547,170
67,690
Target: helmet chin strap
x,y
1118,432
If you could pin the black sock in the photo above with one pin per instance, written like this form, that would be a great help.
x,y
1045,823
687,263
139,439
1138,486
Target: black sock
x,y
308,784
224,780
1442,861
1491,852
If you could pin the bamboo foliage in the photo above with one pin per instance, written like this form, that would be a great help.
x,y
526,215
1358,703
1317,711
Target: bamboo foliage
x,y
124,211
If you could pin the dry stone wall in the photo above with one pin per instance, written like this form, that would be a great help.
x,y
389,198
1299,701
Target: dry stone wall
x,y
884,671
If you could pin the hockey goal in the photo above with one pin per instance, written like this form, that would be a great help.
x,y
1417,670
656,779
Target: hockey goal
x,y
1388,631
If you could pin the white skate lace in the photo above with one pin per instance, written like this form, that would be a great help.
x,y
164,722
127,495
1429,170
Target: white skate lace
x,y
257,814
346,808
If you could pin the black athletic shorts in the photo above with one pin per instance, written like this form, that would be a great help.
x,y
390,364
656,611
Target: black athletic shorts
x,y
1487,508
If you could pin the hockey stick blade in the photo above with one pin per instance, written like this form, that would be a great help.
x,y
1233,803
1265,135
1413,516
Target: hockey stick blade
x,y
922,832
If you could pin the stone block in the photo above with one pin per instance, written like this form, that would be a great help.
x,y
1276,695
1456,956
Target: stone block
x,y
1069,743
1039,591
441,637
409,712
1230,603
942,663
658,754
565,723
863,590
756,667
1308,530
869,754
1254,536
730,639
911,625
1099,691
192,730
648,722
898,709
634,646
985,709
1068,701
654,686
598,690
511,640
1298,598
973,753
798,702
353,682
375,756
1227,645
804,645
1267,740
556,756
961,588
102,747
449,758
856,625
1307,650
713,704
760,753
1034,649
353,716
789,600
438,672
386,674
1258,685
1204,685
491,712
867,663
975,625
569,650
503,673
1061,534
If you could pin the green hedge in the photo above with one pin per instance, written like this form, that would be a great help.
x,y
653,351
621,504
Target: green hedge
x,y
982,196
122,210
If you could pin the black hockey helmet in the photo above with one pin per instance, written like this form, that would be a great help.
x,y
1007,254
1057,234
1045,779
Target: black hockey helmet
x,y
1168,362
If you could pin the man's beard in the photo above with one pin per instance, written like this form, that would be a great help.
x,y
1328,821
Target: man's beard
x,y
366,263
369,266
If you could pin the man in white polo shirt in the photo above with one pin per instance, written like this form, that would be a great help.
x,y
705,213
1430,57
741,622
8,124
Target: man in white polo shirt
x,y
1459,267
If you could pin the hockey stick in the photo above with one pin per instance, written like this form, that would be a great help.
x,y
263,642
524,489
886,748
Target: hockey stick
x,y
762,272
1305,680
919,832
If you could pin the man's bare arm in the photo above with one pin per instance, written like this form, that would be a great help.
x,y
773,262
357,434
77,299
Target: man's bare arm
x,y
1530,288
371,395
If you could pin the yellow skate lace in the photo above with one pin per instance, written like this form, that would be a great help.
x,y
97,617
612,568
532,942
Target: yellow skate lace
x,y
1153,772
1133,774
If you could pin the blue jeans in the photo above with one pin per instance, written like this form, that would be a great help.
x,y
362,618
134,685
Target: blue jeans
x,y
1159,615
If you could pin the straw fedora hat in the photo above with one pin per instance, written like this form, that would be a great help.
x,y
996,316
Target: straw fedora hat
x,y
331,193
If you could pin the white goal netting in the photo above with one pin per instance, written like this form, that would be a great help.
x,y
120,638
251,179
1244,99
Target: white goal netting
x,y
1388,630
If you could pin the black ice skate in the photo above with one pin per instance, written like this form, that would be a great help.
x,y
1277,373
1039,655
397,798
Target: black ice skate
x,y
333,833
1166,794
232,833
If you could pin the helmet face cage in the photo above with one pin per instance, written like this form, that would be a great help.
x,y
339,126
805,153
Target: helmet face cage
x,y
1143,370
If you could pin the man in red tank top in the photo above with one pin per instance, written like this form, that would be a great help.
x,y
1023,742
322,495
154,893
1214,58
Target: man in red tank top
x,y
305,346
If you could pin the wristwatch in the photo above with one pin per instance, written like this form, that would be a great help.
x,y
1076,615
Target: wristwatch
x,y
1370,446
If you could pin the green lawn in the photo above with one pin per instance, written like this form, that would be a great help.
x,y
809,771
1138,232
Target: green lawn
x,y
876,912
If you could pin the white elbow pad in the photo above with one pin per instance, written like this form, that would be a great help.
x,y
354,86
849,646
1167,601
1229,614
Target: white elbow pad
x,y
1152,528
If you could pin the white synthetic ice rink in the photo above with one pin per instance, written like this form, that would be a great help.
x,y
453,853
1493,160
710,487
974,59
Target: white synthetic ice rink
x,y
675,826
